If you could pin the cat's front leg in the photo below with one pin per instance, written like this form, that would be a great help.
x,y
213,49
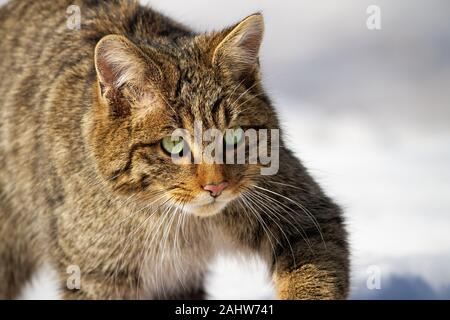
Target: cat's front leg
x,y
310,282
322,275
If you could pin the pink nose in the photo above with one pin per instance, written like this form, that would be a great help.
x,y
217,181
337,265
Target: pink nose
x,y
216,189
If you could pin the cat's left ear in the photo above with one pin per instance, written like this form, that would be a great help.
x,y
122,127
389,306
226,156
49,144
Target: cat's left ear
x,y
127,76
238,52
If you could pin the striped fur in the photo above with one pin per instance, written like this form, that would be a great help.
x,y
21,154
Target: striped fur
x,y
81,165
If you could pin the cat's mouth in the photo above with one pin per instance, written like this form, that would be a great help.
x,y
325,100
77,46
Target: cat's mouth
x,y
204,205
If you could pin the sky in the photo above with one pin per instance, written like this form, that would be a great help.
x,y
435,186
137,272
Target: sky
x,y
368,113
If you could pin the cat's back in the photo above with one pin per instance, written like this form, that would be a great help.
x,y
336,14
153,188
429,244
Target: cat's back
x,y
35,53
26,27
38,35
40,40
47,77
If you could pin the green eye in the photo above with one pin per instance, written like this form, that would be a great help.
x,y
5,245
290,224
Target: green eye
x,y
234,136
172,146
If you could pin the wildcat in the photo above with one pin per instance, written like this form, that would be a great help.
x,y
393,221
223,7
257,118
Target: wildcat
x,y
86,180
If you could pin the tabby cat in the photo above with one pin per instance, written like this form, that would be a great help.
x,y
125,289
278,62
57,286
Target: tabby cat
x,y
86,173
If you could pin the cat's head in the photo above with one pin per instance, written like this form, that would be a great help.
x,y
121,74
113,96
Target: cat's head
x,y
149,88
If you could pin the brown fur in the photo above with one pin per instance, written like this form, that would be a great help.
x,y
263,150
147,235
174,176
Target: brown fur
x,y
81,162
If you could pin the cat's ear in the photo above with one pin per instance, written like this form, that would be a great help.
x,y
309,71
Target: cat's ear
x,y
238,52
125,74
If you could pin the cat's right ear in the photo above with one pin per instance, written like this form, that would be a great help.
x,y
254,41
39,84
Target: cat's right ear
x,y
238,51
123,69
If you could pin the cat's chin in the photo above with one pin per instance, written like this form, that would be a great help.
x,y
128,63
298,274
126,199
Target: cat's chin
x,y
206,210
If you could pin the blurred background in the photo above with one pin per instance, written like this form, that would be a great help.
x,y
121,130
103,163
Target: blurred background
x,y
368,112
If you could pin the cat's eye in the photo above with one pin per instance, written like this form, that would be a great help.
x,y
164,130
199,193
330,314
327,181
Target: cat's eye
x,y
234,136
172,146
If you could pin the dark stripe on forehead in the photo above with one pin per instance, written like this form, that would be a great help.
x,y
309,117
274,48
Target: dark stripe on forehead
x,y
179,84
225,116
197,112
216,112
210,119
187,119
220,113
217,104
